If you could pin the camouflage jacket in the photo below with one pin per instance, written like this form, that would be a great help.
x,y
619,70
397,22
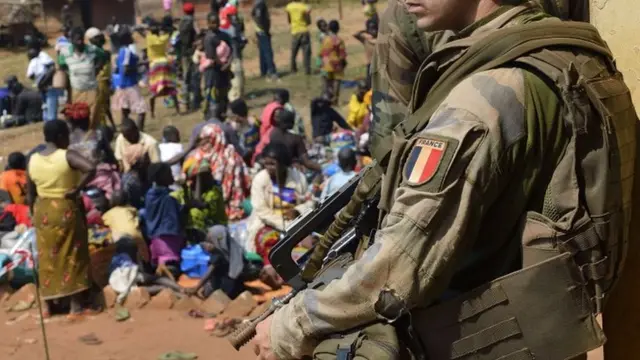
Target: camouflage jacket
x,y
489,142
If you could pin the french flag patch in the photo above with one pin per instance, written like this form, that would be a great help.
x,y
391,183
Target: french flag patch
x,y
424,160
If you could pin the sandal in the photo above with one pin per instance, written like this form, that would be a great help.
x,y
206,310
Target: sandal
x,y
178,355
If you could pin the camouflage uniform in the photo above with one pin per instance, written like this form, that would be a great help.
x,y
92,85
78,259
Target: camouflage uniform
x,y
451,222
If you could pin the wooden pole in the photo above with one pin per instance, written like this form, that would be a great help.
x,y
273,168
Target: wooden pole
x,y
340,8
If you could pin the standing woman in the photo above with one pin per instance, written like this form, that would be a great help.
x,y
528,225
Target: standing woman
x,y
56,177
103,76
162,78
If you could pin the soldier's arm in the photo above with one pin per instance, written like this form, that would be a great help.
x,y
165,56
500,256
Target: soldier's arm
x,y
455,169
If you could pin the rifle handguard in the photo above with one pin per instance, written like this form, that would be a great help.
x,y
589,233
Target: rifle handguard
x,y
344,217
246,332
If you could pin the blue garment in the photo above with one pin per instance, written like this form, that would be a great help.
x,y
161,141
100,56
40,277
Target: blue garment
x,y
120,260
265,49
336,182
51,104
127,58
162,213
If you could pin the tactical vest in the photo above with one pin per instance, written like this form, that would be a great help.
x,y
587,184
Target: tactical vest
x,y
574,249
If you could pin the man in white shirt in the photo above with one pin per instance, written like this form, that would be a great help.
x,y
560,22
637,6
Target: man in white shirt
x,y
40,70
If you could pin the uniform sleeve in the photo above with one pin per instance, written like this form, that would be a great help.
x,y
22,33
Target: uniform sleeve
x,y
454,170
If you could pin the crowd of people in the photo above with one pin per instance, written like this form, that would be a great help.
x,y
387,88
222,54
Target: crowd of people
x,y
92,185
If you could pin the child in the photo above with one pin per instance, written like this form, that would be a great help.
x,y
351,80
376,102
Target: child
x,y
334,60
169,148
228,267
196,75
358,108
368,39
347,162
323,31
163,215
123,221
246,126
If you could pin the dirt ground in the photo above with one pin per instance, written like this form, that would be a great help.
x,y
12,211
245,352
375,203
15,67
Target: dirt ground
x,y
149,332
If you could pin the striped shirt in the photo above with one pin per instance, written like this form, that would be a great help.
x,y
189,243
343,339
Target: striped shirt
x,y
81,67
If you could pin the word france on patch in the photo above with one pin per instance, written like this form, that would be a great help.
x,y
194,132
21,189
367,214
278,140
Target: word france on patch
x,y
424,160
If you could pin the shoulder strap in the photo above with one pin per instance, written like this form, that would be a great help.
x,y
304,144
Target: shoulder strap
x,y
500,48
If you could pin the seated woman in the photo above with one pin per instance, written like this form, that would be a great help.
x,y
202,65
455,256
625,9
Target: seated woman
x,y
56,177
163,218
225,165
202,188
279,194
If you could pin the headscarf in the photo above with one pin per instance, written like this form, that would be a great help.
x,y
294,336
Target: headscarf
x,y
77,111
232,252
188,8
226,165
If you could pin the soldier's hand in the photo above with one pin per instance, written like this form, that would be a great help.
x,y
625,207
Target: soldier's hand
x,y
262,341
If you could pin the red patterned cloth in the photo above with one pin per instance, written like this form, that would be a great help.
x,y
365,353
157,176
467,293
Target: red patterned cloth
x,y
76,111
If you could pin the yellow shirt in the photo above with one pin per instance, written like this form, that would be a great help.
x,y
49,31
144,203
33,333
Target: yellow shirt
x,y
357,112
123,221
157,46
52,174
297,12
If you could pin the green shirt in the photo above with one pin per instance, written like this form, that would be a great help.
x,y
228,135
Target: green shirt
x,y
81,67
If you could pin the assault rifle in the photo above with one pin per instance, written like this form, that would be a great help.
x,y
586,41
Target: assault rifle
x,y
317,220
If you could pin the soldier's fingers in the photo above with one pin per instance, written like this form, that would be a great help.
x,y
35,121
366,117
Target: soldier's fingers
x,y
256,349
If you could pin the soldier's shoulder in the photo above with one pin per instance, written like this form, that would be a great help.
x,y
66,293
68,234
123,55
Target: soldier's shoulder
x,y
493,98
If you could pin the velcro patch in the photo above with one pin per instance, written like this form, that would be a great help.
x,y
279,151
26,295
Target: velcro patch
x,y
424,160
